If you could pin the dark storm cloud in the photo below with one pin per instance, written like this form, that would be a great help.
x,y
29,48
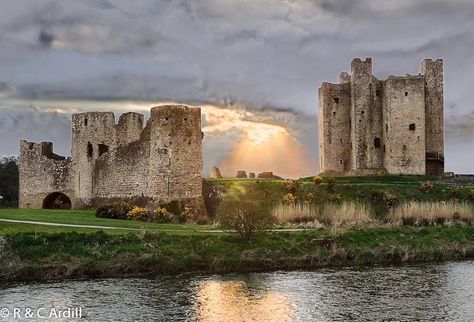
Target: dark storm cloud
x,y
45,39
269,54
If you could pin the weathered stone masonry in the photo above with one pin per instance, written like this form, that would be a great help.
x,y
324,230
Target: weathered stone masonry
x,y
110,161
395,125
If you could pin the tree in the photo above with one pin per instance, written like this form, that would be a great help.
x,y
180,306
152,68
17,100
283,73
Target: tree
x,y
247,212
9,179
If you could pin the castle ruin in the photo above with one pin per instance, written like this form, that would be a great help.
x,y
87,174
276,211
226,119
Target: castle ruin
x,y
367,126
109,161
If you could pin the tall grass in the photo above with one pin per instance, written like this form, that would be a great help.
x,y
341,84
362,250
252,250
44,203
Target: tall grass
x,y
345,213
353,213
429,213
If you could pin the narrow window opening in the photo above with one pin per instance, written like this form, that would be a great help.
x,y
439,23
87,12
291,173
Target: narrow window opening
x,y
384,149
85,122
412,127
406,93
333,113
103,149
90,150
404,147
340,161
386,127
362,112
377,143
377,92
185,118
336,100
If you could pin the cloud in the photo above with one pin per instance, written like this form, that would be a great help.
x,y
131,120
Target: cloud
x,y
256,54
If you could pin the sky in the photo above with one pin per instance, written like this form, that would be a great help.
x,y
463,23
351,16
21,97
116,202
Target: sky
x,y
253,66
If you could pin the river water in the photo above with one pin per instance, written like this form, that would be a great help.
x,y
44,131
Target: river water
x,y
430,292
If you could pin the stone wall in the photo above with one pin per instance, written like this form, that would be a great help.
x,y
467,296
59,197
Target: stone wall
x,y
404,118
434,102
42,173
334,127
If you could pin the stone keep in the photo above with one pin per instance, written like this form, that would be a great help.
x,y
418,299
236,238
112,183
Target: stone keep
x,y
367,126
110,161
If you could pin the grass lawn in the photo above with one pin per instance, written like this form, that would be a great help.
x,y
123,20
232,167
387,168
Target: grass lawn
x,y
81,217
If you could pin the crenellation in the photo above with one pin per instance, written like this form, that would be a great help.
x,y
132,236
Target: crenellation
x,y
396,125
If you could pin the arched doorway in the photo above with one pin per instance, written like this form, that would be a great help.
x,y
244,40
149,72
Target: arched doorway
x,y
57,200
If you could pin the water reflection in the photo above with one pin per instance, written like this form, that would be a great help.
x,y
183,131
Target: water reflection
x,y
423,292
233,301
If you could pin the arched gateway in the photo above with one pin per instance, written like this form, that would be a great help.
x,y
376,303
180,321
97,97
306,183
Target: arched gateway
x,y
57,200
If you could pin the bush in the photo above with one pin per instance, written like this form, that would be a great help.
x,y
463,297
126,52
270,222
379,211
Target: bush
x,y
331,185
309,198
382,202
317,180
470,195
334,197
456,193
161,215
138,213
289,199
247,213
291,185
426,186
117,210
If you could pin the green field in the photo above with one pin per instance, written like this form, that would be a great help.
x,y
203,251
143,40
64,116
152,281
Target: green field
x,y
82,217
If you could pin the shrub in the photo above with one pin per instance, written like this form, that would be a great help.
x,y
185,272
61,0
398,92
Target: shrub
x,y
247,214
161,215
291,185
138,213
456,193
309,198
470,195
426,186
117,210
289,199
317,180
382,202
334,197
331,185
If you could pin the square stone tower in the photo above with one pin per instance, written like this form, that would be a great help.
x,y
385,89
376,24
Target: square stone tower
x,y
367,126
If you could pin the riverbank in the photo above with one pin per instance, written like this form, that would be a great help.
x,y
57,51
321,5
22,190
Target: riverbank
x,y
47,256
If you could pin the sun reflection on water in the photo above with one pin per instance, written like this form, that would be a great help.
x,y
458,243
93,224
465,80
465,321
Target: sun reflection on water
x,y
232,301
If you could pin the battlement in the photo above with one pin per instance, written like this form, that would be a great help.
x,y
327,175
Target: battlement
x,y
359,66
344,77
42,149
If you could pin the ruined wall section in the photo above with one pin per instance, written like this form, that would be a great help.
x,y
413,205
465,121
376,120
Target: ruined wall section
x,y
404,125
374,130
41,173
334,118
123,172
129,128
175,169
434,102
361,97
92,134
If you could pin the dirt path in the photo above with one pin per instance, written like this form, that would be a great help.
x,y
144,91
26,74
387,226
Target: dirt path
x,y
44,223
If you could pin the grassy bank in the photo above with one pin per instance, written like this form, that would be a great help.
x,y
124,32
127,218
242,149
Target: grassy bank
x,y
41,256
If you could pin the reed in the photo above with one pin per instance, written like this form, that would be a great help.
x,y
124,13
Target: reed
x,y
430,213
345,213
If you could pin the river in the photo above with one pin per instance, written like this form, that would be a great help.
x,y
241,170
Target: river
x,y
418,292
